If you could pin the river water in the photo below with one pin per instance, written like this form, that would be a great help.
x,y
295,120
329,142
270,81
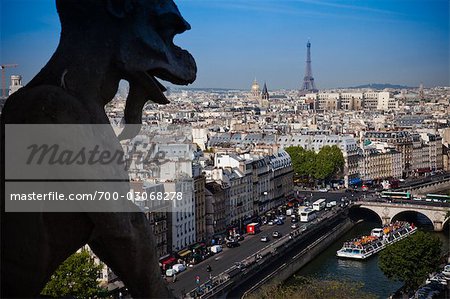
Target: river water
x,y
328,266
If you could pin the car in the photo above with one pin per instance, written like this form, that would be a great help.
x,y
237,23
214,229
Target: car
x,y
323,190
294,220
446,271
264,239
216,248
231,239
240,237
280,222
233,244
270,222
294,226
276,234
177,268
438,279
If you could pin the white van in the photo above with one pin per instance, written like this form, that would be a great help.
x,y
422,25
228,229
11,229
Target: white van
x,y
170,272
178,268
216,248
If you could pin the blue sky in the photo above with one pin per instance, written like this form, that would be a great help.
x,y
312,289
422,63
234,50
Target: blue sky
x,y
234,41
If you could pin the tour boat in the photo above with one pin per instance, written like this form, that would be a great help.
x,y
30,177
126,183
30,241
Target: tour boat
x,y
366,246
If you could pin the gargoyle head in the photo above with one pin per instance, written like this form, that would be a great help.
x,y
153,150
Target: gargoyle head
x,y
142,44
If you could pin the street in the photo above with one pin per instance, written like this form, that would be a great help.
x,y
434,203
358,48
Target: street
x,y
186,281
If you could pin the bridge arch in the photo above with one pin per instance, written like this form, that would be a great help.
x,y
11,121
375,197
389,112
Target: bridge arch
x,y
391,211
364,213
446,222
414,216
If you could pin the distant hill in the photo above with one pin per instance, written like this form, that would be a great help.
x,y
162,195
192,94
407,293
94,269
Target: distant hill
x,y
382,86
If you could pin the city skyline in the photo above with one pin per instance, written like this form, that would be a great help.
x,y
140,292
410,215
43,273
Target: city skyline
x,y
397,42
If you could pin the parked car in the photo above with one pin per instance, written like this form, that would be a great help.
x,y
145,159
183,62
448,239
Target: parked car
x,y
439,278
280,222
271,222
239,237
264,239
446,271
276,234
179,268
294,226
216,248
170,272
233,244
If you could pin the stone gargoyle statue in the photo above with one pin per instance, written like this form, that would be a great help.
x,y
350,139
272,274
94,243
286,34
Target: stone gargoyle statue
x,y
101,43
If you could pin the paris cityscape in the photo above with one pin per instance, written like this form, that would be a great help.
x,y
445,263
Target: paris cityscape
x,y
317,190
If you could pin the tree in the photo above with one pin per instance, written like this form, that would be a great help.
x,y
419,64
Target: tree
x,y
412,259
76,276
307,288
324,165
303,161
330,162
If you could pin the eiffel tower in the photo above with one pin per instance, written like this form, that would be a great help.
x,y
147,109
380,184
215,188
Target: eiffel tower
x,y
308,80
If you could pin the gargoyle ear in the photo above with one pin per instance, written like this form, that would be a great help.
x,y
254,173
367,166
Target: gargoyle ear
x,y
119,8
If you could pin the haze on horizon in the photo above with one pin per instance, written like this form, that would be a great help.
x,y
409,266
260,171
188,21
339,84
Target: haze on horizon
x,y
403,42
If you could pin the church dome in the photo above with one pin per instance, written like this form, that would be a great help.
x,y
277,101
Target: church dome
x,y
255,86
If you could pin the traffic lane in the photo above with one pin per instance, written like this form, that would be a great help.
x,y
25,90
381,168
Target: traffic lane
x,y
361,195
219,263
227,258
421,202
312,196
337,196
408,181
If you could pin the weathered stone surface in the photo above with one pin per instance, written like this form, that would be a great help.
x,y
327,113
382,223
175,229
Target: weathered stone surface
x,y
101,43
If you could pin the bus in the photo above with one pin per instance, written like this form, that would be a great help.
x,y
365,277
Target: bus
x,y
307,215
319,204
438,197
396,195
253,228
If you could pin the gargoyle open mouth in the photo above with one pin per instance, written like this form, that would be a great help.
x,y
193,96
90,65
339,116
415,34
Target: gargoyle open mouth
x,y
145,87
169,62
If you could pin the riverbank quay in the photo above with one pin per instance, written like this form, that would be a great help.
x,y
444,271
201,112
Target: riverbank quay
x,y
436,286
286,270
280,259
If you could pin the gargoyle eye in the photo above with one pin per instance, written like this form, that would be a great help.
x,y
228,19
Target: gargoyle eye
x,y
173,23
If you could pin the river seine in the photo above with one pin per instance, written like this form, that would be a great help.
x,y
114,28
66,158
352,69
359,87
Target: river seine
x,y
328,266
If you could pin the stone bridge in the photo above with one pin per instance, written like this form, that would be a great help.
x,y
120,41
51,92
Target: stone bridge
x,y
438,215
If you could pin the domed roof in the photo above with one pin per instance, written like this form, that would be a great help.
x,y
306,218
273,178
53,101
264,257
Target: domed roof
x,y
255,85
